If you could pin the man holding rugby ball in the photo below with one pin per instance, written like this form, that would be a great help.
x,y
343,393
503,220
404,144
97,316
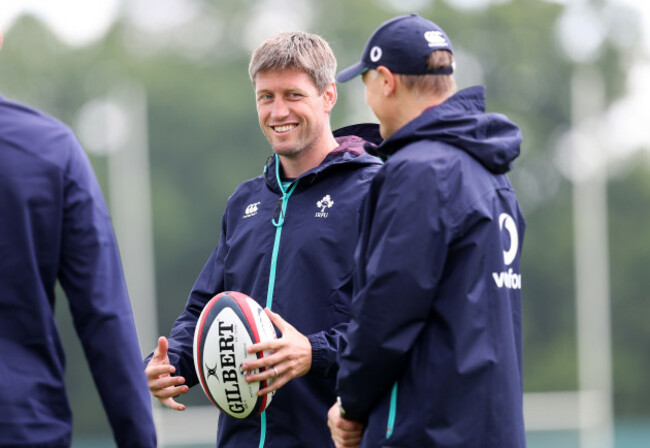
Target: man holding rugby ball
x,y
287,241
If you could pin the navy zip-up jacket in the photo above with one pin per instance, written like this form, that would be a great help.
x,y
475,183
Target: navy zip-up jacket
x,y
313,284
54,225
434,354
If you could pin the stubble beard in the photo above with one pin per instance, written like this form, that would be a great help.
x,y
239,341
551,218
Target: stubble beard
x,y
303,145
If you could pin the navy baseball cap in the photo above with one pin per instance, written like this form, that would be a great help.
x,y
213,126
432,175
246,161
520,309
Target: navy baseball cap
x,y
402,45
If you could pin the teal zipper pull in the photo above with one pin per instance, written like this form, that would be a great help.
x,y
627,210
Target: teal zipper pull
x,y
392,411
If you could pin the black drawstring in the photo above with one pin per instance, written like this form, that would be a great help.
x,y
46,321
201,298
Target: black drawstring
x,y
266,170
279,204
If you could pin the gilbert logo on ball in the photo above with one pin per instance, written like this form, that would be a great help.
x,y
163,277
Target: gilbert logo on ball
x,y
229,323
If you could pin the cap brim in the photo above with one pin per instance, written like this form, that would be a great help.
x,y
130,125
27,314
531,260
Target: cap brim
x,y
350,72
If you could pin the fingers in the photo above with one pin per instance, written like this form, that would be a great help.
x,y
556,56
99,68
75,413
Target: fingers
x,y
345,433
155,371
160,354
277,320
171,392
273,345
274,384
166,387
264,346
275,379
171,404
161,383
264,373
281,324
291,355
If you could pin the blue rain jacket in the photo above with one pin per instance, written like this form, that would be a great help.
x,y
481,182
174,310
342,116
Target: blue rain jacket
x,y
54,225
313,284
434,354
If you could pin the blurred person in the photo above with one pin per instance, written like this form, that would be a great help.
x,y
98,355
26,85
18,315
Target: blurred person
x,y
287,240
54,225
434,352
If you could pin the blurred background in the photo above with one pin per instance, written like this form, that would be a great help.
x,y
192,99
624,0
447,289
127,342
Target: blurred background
x,y
158,93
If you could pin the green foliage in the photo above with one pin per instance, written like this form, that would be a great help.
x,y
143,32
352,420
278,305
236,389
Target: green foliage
x,y
629,216
548,294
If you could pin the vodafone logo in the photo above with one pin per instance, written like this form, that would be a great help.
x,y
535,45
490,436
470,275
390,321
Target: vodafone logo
x,y
375,54
506,221
508,279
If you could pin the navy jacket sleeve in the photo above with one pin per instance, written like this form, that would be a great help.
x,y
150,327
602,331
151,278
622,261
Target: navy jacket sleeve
x,y
396,277
92,277
325,349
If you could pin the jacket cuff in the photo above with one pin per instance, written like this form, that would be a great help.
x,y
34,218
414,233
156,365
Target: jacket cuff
x,y
320,362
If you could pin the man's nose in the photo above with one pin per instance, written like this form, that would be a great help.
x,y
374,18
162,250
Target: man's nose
x,y
279,108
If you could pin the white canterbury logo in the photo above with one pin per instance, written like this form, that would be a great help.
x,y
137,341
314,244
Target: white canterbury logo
x,y
508,279
251,210
324,204
436,39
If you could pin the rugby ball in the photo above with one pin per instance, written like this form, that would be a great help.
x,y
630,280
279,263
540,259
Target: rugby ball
x,y
229,323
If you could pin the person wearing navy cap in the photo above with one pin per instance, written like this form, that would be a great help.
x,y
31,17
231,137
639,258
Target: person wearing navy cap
x,y
434,354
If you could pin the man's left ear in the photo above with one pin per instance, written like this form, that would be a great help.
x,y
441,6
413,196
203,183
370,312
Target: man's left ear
x,y
388,80
330,95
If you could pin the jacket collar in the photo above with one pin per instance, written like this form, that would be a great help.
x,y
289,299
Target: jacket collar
x,y
351,140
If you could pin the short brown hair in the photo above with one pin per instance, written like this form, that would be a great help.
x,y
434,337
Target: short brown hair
x,y
442,85
299,50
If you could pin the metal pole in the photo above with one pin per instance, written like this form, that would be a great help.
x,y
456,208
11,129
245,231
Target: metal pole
x,y
592,272
130,193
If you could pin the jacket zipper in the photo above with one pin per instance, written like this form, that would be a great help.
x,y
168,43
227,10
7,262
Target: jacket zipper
x,y
286,194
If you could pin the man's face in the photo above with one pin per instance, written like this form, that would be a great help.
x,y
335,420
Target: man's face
x,y
293,116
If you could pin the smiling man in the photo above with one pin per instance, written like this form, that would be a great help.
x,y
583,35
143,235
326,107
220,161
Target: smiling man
x,y
287,240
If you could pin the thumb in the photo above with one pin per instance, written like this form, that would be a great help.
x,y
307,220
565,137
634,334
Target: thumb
x,y
160,354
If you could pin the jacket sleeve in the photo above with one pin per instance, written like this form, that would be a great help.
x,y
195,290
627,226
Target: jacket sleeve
x,y
398,265
325,349
92,278
181,339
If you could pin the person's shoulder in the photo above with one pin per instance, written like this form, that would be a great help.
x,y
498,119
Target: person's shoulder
x,y
247,188
425,164
26,118
424,155
35,131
